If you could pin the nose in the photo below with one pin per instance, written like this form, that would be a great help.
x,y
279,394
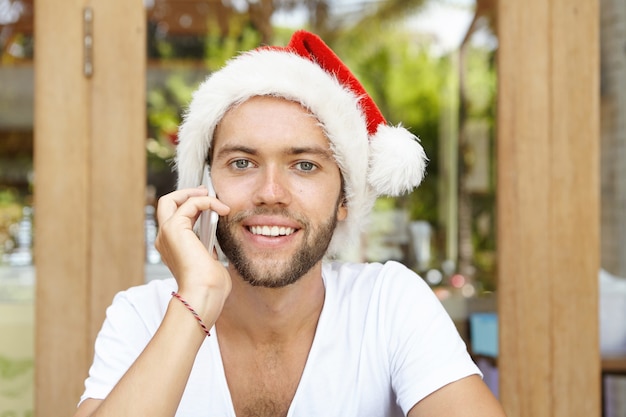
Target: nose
x,y
272,187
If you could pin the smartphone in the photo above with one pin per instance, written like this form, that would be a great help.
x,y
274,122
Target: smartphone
x,y
208,218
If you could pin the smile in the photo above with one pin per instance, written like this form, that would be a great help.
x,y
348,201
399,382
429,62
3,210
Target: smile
x,y
271,230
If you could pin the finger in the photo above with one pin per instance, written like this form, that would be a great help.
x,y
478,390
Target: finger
x,y
186,214
194,205
169,203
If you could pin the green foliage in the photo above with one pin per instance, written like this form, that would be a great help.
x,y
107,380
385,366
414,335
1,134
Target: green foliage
x,y
480,104
219,49
13,368
15,376
11,204
165,106
481,82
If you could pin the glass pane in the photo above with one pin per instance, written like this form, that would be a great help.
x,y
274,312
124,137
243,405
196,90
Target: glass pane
x,y
17,274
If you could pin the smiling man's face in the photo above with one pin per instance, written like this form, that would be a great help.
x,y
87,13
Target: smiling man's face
x,y
273,166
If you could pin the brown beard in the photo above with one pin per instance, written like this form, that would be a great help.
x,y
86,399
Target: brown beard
x,y
276,273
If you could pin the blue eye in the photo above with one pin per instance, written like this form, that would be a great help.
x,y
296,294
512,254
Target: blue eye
x,y
241,163
306,166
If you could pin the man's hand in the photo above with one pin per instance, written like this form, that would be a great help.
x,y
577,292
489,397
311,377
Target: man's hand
x,y
202,280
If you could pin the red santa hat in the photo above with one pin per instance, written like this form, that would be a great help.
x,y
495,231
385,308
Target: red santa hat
x,y
374,158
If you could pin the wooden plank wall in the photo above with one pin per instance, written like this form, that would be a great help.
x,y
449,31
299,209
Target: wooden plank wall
x,y
548,207
89,184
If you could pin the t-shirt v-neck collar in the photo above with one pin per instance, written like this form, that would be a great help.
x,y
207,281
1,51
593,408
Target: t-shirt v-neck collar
x,y
310,362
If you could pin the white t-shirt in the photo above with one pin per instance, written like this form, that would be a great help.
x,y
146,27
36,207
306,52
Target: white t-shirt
x,y
383,342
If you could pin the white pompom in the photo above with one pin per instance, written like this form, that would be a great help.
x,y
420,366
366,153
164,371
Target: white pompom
x,y
397,161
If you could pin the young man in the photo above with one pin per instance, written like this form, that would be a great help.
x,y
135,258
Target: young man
x,y
298,153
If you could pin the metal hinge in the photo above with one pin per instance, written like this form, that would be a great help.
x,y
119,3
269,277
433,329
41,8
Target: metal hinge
x,y
88,42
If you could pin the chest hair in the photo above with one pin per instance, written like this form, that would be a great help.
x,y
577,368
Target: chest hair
x,y
264,383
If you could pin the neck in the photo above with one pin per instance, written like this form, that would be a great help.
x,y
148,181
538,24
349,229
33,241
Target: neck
x,y
273,315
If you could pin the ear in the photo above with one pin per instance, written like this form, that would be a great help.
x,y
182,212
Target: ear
x,y
342,210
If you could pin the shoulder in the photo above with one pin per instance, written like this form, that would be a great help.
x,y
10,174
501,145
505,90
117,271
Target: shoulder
x,y
390,276
384,291
134,316
147,302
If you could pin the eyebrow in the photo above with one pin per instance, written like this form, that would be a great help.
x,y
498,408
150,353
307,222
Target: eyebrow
x,y
325,153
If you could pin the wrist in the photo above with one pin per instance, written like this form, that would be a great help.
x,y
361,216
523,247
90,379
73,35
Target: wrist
x,y
206,301
193,312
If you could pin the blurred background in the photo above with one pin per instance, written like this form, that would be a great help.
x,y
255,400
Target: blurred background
x,y
429,64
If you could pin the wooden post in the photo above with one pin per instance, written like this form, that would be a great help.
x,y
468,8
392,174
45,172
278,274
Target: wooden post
x,y
548,207
89,185
118,171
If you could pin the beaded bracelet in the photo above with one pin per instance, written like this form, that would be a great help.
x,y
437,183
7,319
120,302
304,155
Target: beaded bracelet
x,y
182,300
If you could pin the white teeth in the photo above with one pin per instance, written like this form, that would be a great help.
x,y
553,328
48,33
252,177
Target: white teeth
x,y
271,230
